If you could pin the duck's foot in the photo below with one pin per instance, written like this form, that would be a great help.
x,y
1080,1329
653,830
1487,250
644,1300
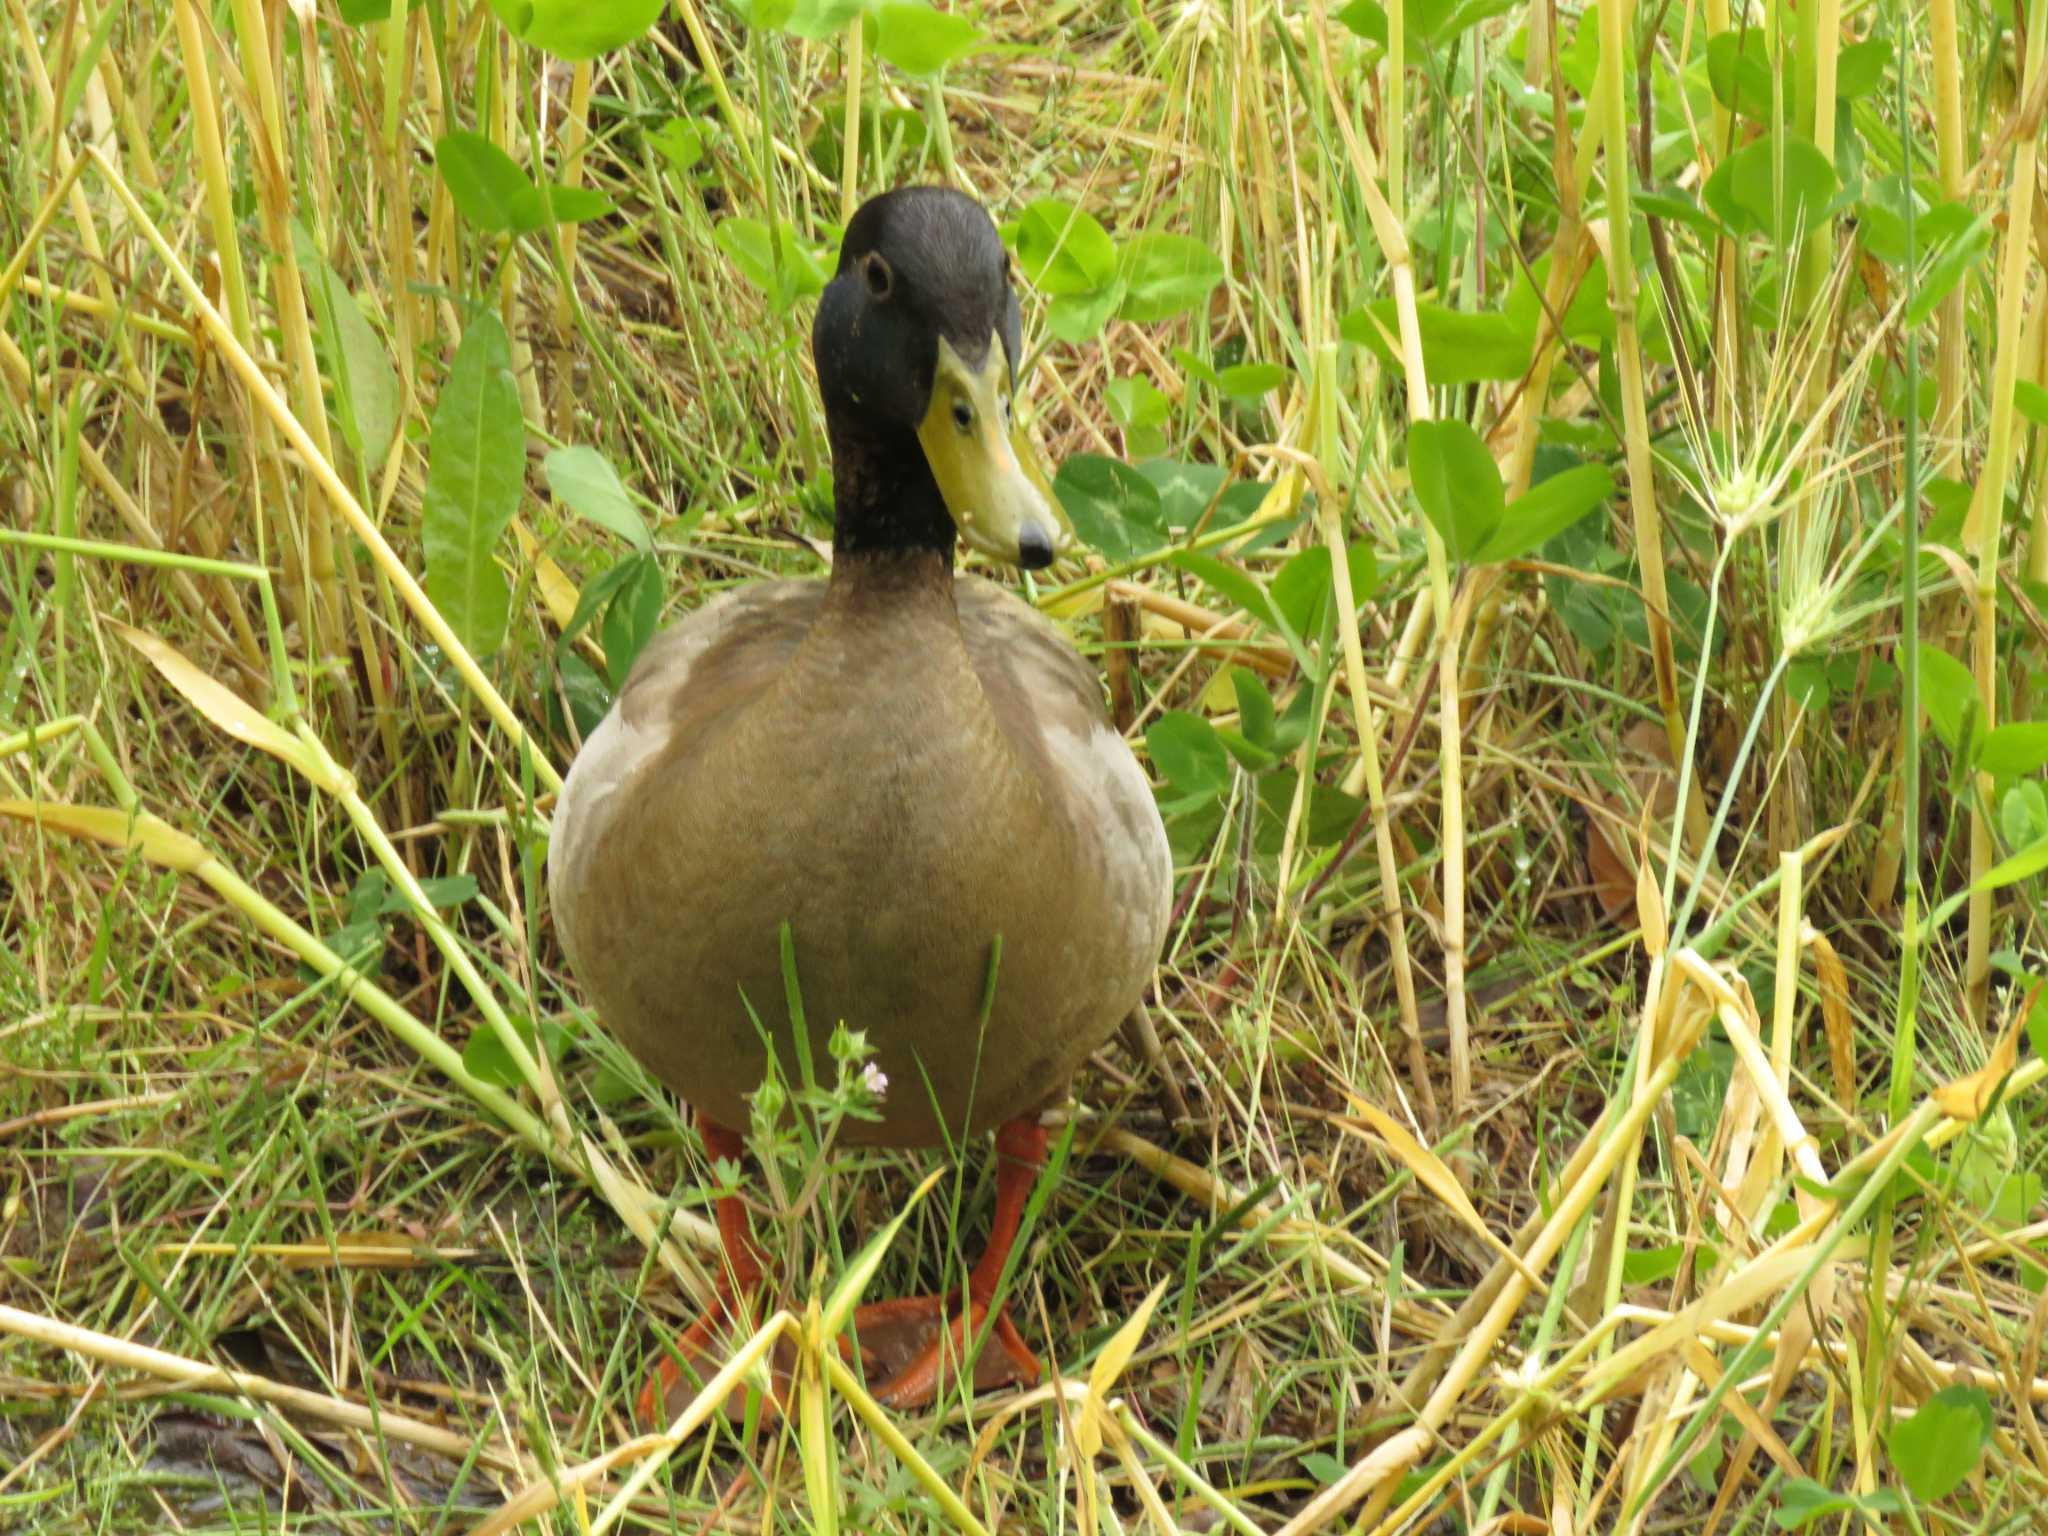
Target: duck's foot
x,y
693,1358
916,1347
698,1353
918,1340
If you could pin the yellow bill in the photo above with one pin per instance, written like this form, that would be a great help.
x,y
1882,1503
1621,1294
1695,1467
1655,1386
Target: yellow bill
x,y
994,491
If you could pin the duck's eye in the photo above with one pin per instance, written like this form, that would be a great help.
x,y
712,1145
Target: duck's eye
x,y
881,280
963,415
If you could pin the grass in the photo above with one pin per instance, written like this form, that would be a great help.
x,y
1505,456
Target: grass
x,y
1578,1141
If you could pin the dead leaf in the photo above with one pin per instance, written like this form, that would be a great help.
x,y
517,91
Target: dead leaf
x,y
1968,1096
225,708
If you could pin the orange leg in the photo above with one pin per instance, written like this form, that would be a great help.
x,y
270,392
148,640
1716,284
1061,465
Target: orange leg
x,y
1020,1153
741,1277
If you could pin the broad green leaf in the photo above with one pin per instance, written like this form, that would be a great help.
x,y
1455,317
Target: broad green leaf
x,y
1301,590
2032,401
1244,591
1063,250
577,29
1137,402
2024,865
1951,264
1881,221
1165,275
1545,510
681,143
2023,814
630,621
1113,508
1588,318
476,464
1739,71
1248,381
1457,348
1678,206
1431,23
1188,753
816,20
1802,1502
583,481
921,41
1776,185
1940,1444
485,182
1187,489
538,208
784,269
1457,484
366,392
2010,750
359,13
1196,368
1080,317
1859,68
1946,689
1256,716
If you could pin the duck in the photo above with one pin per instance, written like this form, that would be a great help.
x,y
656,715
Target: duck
x,y
903,765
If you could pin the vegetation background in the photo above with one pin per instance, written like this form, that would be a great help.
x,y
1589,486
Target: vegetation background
x,y
1560,507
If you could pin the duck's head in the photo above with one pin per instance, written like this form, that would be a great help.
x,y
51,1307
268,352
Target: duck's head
x,y
916,343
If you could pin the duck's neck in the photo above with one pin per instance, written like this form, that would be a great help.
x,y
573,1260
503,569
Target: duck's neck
x,y
905,581
884,499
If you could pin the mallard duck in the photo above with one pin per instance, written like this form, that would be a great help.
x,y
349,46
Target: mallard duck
x,y
903,763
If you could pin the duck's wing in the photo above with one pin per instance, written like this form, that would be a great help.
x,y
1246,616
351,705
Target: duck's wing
x,y
1049,702
690,679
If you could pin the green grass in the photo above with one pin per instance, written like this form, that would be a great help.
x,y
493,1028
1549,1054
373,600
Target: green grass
x,y
413,1208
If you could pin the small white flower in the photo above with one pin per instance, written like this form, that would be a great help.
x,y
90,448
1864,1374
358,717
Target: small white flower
x,y
874,1079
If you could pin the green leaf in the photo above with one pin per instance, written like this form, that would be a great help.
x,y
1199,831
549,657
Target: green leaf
x,y
2024,865
1946,689
783,268
583,481
1196,368
1802,1501
1457,348
539,208
1137,402
921,41
476,467
630,621
1166,274
1430,23
1859,68
815,20
1951,264
1745,191
366,392
1545,510
1457,484
2008,751
2023,815
1301,591
1113,508
2032,401
577,29
1248,381
681,143
1188,753
1739,71
1256,716
1940,1444
1080,317
485,182
1063,250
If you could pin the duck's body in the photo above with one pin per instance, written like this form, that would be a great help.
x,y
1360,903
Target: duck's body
x,y
902,764
911,770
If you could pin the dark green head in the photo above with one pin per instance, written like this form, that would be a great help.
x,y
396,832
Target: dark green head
x,y
916,343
